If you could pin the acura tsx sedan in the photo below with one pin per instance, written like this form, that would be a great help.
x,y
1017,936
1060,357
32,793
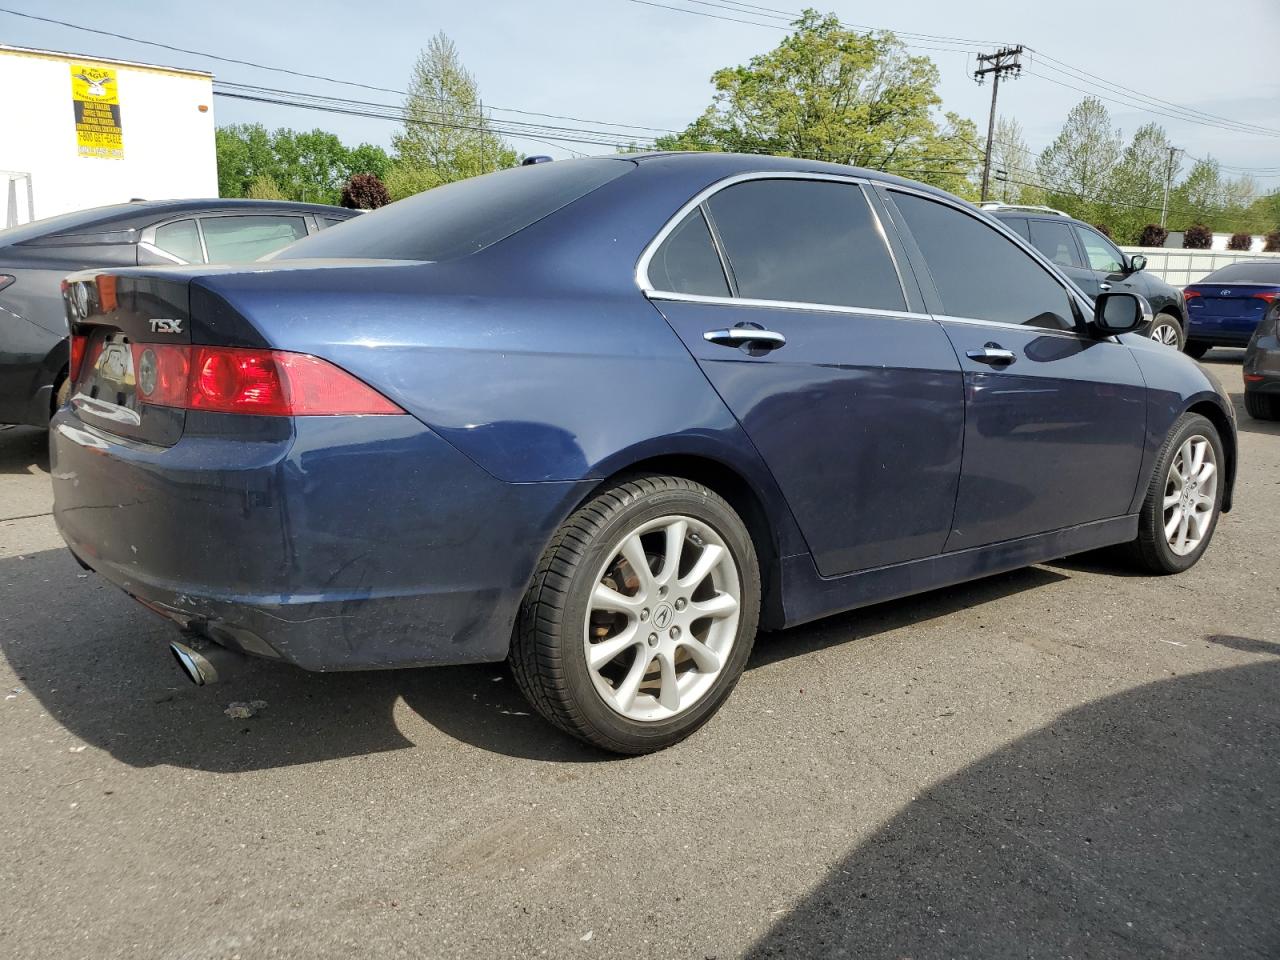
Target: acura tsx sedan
x,y
605,418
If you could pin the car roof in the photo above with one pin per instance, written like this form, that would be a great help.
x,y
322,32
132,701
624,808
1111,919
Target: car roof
x,y
728,164
126,216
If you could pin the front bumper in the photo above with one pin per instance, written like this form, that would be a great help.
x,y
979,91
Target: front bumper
x,y
334,543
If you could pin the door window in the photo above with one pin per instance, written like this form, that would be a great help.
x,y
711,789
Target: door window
x,y
1018,225
180,239
1054,240
1103,255
981,274
687,261
238,239
806,241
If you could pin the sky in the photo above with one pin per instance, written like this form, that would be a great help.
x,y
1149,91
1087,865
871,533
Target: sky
x,y
630,62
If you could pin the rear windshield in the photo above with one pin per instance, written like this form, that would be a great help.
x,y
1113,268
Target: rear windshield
x,y
461,218
1249,272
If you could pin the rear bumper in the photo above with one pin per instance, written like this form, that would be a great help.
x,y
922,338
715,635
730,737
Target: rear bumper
x,y
334,543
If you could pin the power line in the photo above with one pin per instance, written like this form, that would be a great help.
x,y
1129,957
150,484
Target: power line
x,y
309,76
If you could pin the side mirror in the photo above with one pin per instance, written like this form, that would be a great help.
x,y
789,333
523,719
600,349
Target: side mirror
x,y
1115,313
1137,262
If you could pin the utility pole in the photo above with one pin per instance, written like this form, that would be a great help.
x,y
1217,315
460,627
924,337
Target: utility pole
x,y
1003,61
1168,182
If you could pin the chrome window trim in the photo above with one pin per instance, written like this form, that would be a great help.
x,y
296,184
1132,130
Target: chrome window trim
x,y
152,248
1000,325
666,295
653,293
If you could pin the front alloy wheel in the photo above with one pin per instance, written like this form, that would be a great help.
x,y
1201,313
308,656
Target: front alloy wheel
x,y
1184,499
641,615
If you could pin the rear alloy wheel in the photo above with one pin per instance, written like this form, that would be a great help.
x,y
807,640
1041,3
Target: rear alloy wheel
x,y
1180,512
641,616
1262,406
1167,330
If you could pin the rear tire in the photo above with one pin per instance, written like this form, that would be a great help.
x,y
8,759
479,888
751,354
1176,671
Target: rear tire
x,y
1262,406
1196,350
1180,512
1166,329
682,634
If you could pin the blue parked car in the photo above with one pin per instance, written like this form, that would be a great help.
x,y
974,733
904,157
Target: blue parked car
x,y
1226,306
604,418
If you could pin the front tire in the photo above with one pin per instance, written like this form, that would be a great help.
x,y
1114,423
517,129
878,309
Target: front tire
x,y
1262,406
641,615
1197,350
1167,330
1184,499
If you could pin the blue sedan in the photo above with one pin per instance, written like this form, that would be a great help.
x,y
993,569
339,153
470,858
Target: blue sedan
x,y
606,418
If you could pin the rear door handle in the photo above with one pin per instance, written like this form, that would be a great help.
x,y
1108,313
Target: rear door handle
x,y
737,336
993,354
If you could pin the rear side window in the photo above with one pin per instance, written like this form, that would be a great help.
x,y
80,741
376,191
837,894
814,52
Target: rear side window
x,y
978,272
462,218
1054,240
687,261
180,239
806,241
1018,225
1250,272
332,221
240,239
1102,254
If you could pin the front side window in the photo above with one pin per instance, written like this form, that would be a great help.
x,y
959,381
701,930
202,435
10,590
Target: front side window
x,y
1054,240
180,239
981,274
1103,255
805,241
240,239
687,261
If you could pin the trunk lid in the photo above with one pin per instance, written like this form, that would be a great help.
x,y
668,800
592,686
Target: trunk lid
x,y
113,318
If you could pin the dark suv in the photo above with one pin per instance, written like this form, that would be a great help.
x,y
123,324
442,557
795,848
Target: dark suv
x,y
36,256
1096,264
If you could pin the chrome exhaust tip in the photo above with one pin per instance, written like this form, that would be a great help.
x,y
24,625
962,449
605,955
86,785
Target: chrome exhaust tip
x,y
194,664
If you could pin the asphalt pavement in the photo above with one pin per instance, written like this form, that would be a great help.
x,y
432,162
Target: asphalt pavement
x,y
1065,761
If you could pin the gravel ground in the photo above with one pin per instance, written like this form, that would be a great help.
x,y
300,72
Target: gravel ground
x,y
1065,761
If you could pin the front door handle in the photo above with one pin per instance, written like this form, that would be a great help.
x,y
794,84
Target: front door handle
x,y
993,354
1104,287
738,336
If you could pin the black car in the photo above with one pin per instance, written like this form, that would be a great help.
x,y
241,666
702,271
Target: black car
x,y
1097,265
36,256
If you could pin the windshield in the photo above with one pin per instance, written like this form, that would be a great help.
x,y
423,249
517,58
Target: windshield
x,y
461,218
1251,271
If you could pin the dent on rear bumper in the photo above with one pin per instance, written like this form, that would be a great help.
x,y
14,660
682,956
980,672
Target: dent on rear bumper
x,y
334,543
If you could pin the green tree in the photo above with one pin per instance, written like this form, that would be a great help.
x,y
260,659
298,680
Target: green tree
x,y
446,134
829,93
1010,153
303,165
1199,199
1075,170
1136,189
263,187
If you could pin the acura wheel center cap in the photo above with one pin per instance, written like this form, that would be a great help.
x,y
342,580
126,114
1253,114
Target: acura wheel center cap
x,y
663,614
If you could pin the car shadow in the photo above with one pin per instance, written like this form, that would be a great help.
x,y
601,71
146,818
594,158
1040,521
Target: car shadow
x,y
22,448
98,663
1142,825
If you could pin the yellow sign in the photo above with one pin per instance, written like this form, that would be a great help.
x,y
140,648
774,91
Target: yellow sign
x,y
97,104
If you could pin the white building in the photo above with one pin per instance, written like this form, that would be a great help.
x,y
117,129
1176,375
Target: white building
x,y
87,131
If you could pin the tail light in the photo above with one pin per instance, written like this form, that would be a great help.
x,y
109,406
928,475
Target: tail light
x,y
269,383
1191,294
1269,297
78,342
